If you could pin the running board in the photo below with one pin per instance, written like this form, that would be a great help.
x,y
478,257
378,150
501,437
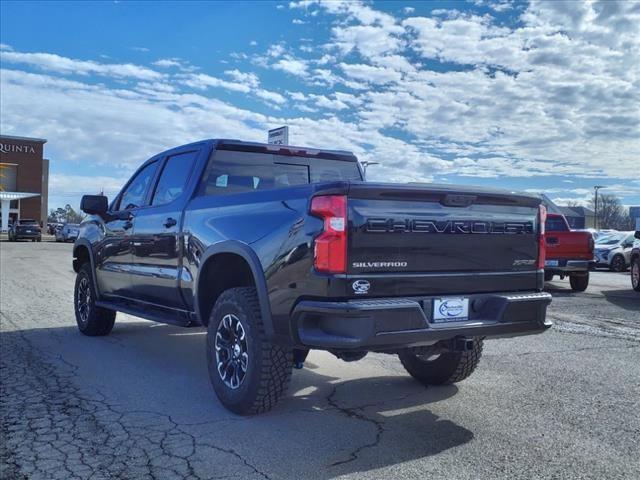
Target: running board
x,y
180,318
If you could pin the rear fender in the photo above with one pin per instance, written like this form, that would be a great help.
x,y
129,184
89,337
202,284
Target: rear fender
x,y
249,255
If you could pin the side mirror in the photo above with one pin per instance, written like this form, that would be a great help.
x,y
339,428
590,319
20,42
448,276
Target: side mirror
x,y
94,204
637,234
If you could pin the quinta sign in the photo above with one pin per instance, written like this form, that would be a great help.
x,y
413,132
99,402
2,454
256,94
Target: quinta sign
x,y
13,148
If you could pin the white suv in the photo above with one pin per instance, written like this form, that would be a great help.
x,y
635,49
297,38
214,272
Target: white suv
x,y
614,251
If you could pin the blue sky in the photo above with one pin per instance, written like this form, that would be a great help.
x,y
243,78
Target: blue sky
x,y
534,96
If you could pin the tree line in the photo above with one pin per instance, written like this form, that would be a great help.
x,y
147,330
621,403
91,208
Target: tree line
x,y
611,214
64,215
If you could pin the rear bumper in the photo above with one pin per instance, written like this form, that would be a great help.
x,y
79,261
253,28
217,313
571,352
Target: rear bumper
x,y
570,266
23,235
391,323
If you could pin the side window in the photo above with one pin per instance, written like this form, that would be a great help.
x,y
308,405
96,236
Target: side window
x,y
133,196
173,178
236,172
286,174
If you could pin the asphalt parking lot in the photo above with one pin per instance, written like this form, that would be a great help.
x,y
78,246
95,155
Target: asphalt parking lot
x,y
138,405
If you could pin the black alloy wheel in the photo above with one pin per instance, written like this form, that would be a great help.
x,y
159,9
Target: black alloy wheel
x,y
232,352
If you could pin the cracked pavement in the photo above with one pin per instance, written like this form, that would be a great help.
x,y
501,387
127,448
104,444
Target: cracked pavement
x,y
138,405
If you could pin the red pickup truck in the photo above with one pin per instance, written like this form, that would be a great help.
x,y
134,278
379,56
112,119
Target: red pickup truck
x,y
569,253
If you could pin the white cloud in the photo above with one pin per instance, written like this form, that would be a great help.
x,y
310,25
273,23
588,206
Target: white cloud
x,y
270,97
57,63
291,65
246,78
202,81
167,62
555,93
370,74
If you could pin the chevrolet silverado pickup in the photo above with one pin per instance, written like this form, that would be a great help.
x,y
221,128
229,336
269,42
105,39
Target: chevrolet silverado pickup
x,y
569,253
278,250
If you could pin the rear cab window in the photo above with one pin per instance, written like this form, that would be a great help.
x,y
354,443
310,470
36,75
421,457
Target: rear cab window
x,y
231,172
556,224
174,177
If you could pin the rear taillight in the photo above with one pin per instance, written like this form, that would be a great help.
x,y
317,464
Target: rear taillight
x,y
591,244
542,245
330,255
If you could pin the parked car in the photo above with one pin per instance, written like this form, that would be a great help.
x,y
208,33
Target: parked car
x,y
278,250
569,252
635,263
25,229
68,232
52,227
614,251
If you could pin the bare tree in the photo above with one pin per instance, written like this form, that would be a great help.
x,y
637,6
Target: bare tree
x,y
611,213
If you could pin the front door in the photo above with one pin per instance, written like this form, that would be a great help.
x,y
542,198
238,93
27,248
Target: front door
x,y
157,241
113,253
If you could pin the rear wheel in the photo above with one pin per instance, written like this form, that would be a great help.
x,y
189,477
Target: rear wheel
x,y
548,276
249,374
579,283
91,319
618,264
635,274
444,368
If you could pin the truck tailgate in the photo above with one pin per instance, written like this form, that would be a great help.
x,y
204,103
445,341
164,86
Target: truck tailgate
x,y
569,245
444,237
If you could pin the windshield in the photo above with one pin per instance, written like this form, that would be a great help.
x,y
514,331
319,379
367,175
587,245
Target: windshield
x,y
27,222
610,240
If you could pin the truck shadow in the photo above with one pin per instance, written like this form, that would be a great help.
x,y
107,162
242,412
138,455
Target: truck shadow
x,y
627,299
323,428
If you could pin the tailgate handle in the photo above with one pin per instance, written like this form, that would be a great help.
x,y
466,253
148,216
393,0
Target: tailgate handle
x,y
457,200
552,240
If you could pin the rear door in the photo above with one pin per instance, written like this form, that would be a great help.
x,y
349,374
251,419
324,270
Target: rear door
x,y
156,241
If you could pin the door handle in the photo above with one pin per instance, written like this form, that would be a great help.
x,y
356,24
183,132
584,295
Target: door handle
x,y
170,222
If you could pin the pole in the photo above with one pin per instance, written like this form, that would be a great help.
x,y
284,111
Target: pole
x,y
595,220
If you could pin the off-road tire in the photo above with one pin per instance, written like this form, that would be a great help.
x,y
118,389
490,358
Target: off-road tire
x,y
269,366
579,283
618,264
635,274
447,368
99,321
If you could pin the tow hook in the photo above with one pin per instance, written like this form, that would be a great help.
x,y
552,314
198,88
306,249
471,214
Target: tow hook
x,y
462,344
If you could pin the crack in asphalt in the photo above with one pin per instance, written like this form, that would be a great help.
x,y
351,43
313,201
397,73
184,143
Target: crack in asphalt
x,y
52,429
358,414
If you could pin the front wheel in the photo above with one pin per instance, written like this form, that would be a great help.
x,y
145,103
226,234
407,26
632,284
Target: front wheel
x,y
444,368
635,274
249,374
579,284
92,320
618,264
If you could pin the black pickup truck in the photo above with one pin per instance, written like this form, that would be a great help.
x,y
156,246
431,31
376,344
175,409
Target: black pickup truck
x,y
278,250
